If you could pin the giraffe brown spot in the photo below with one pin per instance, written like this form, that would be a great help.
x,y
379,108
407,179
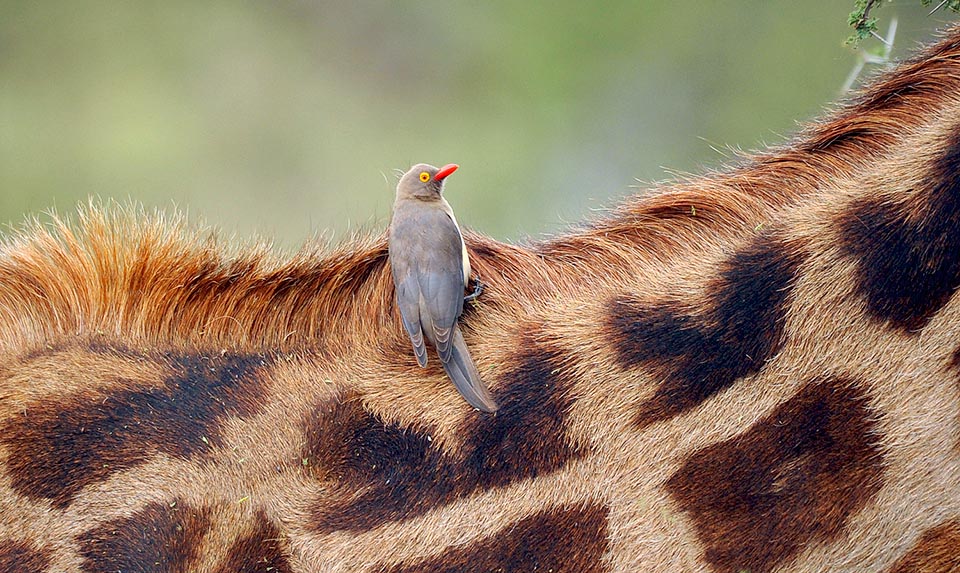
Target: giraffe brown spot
x,y
385,472
63,445
564,540
908,257
937,551
699,353
157,539
791,480
22,556
527,437
264,550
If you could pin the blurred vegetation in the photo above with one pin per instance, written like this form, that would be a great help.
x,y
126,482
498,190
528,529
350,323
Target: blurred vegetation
x,y
289,117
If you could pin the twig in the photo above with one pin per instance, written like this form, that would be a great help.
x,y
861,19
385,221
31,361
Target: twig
x,y
866,14
940,5
879,37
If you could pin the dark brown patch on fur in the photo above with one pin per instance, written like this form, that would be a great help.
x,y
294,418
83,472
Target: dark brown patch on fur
x,y
565,540
909,255
156,539
791,480
385,472
63,445
17,556
527,436
262,551
937,551
699,353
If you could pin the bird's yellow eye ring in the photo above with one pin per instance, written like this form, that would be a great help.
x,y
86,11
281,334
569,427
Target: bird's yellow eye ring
x,y
424,176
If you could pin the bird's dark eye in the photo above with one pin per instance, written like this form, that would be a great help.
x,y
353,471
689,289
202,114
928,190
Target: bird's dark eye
x,y
424,176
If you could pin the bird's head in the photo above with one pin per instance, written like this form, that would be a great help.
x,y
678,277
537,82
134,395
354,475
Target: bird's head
x,y
424,181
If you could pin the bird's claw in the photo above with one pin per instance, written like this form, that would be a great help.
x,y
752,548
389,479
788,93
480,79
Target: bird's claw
x,y
478,287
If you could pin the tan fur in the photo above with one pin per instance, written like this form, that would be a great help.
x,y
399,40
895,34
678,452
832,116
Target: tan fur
x,y
121,305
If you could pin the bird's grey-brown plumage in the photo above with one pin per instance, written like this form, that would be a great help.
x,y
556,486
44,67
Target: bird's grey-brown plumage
x,y
431,270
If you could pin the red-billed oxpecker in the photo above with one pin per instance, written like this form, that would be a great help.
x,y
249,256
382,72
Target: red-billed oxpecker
x,y
431,271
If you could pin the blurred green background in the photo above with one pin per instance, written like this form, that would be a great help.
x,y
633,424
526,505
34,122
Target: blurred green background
x,y
285,118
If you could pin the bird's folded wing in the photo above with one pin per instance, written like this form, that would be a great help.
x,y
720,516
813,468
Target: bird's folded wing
x,y
408,300
443,295
440,276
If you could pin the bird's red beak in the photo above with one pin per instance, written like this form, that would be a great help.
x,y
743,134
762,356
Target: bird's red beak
x,y
445,170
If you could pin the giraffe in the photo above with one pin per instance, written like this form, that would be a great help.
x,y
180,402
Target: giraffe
x,y
753,370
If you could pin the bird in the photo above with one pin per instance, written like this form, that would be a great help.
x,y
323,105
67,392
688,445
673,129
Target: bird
x,y
431,271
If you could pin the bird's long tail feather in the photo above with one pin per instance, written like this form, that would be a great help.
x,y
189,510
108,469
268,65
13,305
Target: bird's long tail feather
x,y
463,372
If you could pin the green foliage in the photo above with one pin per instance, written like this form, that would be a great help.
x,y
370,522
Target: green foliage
x,y
864,25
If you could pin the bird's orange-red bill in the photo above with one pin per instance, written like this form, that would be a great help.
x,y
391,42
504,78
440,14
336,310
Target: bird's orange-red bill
x,y
445,170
